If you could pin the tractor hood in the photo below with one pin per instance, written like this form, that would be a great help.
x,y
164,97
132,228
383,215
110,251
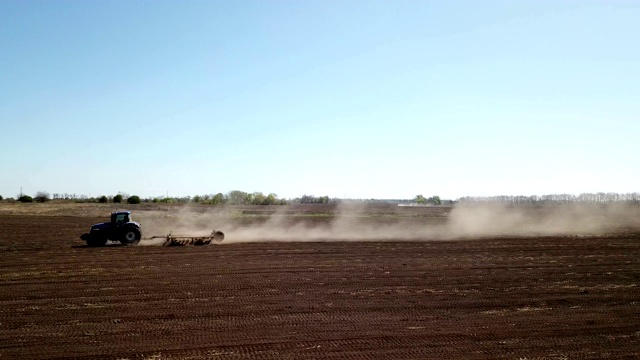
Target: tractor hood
x,y
107,225
100,226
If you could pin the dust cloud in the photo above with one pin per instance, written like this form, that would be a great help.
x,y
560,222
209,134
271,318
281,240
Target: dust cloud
x,y
569,219
179,221
349,222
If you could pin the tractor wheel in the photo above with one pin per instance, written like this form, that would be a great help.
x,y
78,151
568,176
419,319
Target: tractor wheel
x,y
130,236
96,241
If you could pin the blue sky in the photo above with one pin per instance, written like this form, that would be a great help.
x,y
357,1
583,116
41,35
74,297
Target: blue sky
x,y
358,99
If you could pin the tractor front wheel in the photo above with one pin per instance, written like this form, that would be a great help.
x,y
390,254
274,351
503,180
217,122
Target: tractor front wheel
x,y
130,236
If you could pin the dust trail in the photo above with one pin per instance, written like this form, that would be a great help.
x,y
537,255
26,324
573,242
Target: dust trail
x,y
184,220
570,219
349,222
356,223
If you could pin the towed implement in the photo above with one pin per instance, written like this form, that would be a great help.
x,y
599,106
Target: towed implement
x,y
216,236
128,232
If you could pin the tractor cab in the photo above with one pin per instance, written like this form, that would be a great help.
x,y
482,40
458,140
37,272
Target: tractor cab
x,y
120,217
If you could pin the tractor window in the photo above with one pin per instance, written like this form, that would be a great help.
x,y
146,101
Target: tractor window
x,y
122,218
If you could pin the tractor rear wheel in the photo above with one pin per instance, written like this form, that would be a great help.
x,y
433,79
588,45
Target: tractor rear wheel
x,y
130,236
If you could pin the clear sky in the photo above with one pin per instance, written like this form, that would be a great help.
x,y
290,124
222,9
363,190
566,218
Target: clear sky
x,y
358,99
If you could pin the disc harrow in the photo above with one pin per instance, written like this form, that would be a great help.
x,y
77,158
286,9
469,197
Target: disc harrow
x,y
216,236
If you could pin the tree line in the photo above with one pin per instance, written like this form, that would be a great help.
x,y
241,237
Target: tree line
x,y
633,198
433,200
235,197
43,196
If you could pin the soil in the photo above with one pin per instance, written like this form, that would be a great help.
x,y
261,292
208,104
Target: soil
x,y
492,298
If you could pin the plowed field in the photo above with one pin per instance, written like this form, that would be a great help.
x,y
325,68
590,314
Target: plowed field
x,y
511,298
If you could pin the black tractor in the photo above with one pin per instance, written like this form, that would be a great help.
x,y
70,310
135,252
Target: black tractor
x,y
121,228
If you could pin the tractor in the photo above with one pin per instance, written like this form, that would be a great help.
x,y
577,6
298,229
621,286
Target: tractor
x,y
121,228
